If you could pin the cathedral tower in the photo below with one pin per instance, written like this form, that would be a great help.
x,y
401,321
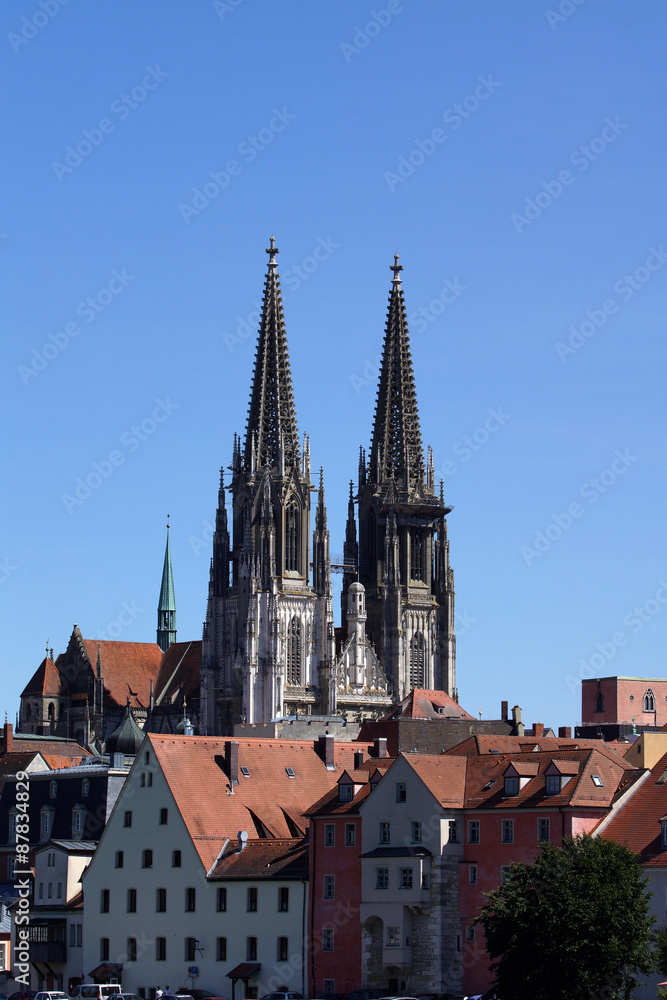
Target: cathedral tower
x,y
403,551
268,644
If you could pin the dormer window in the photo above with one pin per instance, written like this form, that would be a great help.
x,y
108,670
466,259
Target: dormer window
x,y
552,784
85,786
345,792
53,789
511,784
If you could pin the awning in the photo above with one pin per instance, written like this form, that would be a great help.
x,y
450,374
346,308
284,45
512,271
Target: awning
x,y
106,969
244,970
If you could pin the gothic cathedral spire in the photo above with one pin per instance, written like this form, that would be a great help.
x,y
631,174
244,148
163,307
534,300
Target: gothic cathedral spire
x,y
166,609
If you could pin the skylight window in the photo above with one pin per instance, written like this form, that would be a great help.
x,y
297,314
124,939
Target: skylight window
x,y
245,772
290,772
597,781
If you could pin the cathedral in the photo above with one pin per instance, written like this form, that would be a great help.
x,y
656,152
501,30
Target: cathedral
x,y
270,648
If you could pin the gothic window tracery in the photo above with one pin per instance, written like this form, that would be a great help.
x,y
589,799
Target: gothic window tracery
x,y
294,644
417,661
292,525
418,554
649,701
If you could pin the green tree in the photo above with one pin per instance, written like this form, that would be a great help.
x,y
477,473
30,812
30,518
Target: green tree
x,y
574,925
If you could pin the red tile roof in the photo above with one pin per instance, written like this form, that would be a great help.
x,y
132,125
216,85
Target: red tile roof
x,y
284,858
194,767
179,671
422,704
444,776
637,823
482,744
45,681
127,669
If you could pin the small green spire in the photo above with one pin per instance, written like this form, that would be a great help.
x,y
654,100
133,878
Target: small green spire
x,y
166,611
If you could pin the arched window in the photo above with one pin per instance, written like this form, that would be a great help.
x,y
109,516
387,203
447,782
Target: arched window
x,y
418,554
51,712
649,701
599,702
417,661
292,526
294,651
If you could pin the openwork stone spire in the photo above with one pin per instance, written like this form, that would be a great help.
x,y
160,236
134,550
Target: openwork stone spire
x,y
396,446
271,433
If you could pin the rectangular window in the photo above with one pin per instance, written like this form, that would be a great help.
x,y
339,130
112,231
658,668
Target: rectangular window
x,y
72,935
329,886
473,831
146,859
190,899
385,833
41,890
160,900
328,987
251,949
381,878
507,834
283,899
164,813
131,949
119,859
511,789
393,937
79,935
282,950
59,890
175,859
104,901
252,900
50,893
221,949
453,831
327,939
160,949
401,791
128,819
350,834
504,873
190,949
552,784
345,792
221,900
131,901
329,834
470,932
472,874
104,949
543,830
405,878
416,833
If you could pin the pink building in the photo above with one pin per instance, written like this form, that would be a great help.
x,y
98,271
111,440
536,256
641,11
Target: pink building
x,y
641,701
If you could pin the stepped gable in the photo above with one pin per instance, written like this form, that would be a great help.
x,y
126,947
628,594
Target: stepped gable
x,y
268,803
283,858
45,681
179,672
127,669
272,428
423,704
638,823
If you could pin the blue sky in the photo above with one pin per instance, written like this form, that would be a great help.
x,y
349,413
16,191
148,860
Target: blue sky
x,y
513,154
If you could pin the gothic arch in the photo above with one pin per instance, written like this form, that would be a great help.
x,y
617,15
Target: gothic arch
x,y
292,534
417,649
294,651
649,701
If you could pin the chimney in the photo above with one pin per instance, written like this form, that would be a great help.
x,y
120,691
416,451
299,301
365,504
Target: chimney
x,y
538,729
9,738
519,728
242,837
232,763
325,749
380,746
504,713
565,732
358,758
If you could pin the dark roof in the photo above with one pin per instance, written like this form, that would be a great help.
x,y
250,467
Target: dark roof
x,y
398,852
244,970
285,858
128,737
179,671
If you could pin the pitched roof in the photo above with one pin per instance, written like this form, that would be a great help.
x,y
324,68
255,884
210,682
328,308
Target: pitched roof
x,y
284,858
423,704
50,745
45,681
637,823
127,668
179,671
483,744
444,776
196,771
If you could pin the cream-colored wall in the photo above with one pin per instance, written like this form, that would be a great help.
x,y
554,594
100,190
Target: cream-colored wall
x,y
205,924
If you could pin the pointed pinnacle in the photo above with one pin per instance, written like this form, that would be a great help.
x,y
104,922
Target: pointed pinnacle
x,y
272,250
396,268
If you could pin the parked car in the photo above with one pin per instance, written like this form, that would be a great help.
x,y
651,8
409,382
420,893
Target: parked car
x,y
184,993
51,995
23,995
127,996
373,993
95,991
283,996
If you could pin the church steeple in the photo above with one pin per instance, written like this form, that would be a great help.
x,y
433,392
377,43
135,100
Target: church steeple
x,y
271,432
166,609
396,447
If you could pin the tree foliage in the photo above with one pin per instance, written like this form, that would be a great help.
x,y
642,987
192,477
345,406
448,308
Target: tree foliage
x,y
573,925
